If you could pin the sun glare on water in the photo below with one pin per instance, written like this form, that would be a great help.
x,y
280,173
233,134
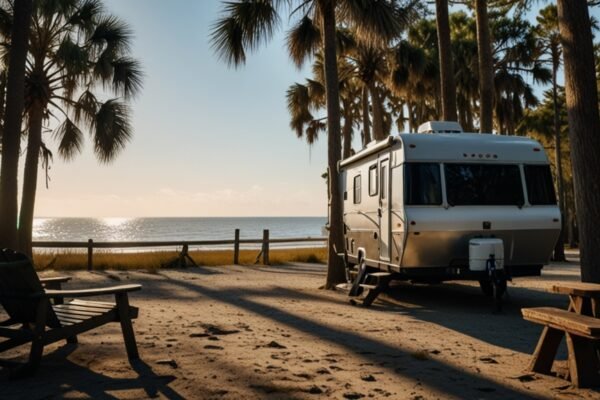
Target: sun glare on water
x,y
115,222
116,228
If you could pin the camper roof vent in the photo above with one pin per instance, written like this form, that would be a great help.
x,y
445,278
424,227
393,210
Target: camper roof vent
x,y
440,127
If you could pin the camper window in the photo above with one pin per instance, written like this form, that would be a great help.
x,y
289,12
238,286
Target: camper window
x,y
483,184
540,188
422,184
357,189
373,179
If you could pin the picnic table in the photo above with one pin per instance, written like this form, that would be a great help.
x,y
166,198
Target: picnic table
x,y
581,326
584,298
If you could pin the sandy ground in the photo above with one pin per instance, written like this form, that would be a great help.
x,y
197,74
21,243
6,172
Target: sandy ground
x,y
269,333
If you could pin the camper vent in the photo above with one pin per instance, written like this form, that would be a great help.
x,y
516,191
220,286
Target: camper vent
x,y
440,127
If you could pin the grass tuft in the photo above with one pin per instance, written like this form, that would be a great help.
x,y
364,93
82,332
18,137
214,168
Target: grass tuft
x,y
152,261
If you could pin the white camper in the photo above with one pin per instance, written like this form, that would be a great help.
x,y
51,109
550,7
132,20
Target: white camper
x,y
431,207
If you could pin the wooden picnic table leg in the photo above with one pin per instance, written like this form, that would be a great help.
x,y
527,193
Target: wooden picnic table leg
x,y
596,308
582,361
575,304
546,349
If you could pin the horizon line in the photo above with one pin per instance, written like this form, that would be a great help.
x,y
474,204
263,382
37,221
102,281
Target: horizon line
x,y
196,216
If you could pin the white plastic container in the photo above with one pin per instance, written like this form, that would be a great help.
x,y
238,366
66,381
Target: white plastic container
x,y
480,251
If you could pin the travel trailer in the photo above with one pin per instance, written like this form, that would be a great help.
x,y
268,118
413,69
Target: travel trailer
x,y
441,204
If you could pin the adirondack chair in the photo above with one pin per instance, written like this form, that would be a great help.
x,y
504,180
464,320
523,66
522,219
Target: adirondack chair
x,y
40,316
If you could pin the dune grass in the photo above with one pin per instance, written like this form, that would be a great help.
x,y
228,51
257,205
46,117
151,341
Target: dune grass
x,y
152,261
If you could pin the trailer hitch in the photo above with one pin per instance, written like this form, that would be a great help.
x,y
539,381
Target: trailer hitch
x,y
498,278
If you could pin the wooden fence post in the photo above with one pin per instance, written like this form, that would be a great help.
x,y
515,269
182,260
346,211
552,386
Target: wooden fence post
x,y
90,249
265,247
236,248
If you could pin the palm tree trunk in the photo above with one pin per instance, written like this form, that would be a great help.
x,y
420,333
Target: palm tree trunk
x,y
11,138
3,78
448,88
559,248
584,128
335,265
30,176
347,132
378,133
486,68
411,117
366,119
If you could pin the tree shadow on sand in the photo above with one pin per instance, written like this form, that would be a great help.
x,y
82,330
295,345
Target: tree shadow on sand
x,y
455,381
58,376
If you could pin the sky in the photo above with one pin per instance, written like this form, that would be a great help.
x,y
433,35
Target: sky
x,y
209,140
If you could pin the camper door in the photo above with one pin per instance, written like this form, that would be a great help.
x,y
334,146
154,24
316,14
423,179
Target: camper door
x,y
384,207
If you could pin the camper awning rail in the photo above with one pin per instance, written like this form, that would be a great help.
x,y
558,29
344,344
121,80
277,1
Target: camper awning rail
x,y
372,148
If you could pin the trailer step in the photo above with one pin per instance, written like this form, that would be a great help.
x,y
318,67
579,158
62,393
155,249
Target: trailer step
x,y
343,287
380,274
368,287
375,283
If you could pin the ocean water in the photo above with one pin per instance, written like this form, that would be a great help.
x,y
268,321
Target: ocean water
x,y
173,229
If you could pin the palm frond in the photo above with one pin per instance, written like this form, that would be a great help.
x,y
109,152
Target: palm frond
x,y
54,8
103,68
298,102
87,13
345,41
303,40
112,130
47,158
316,93
112,35
72,57
228,41
127,76
376,22
246,24
314,128
85,108
70,139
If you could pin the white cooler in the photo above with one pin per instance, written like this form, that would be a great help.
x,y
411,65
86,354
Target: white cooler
x,y
480,251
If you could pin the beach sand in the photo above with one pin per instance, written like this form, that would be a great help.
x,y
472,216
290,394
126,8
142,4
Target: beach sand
x,y
248,332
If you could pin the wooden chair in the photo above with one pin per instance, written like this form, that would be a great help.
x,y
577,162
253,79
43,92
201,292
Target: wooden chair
x,y
40,316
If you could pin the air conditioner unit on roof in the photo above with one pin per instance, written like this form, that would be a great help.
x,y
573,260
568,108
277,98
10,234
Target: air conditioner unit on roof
x,y
440,127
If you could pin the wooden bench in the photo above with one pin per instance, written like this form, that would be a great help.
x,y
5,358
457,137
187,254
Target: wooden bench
x,y
582,333
39,315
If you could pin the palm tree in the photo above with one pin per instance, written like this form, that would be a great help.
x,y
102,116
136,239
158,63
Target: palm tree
x,y
11,135
464,50
415,74
303,100
448,87
246,24
584,125
370,65
486,67
77,53
516,57
549,36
